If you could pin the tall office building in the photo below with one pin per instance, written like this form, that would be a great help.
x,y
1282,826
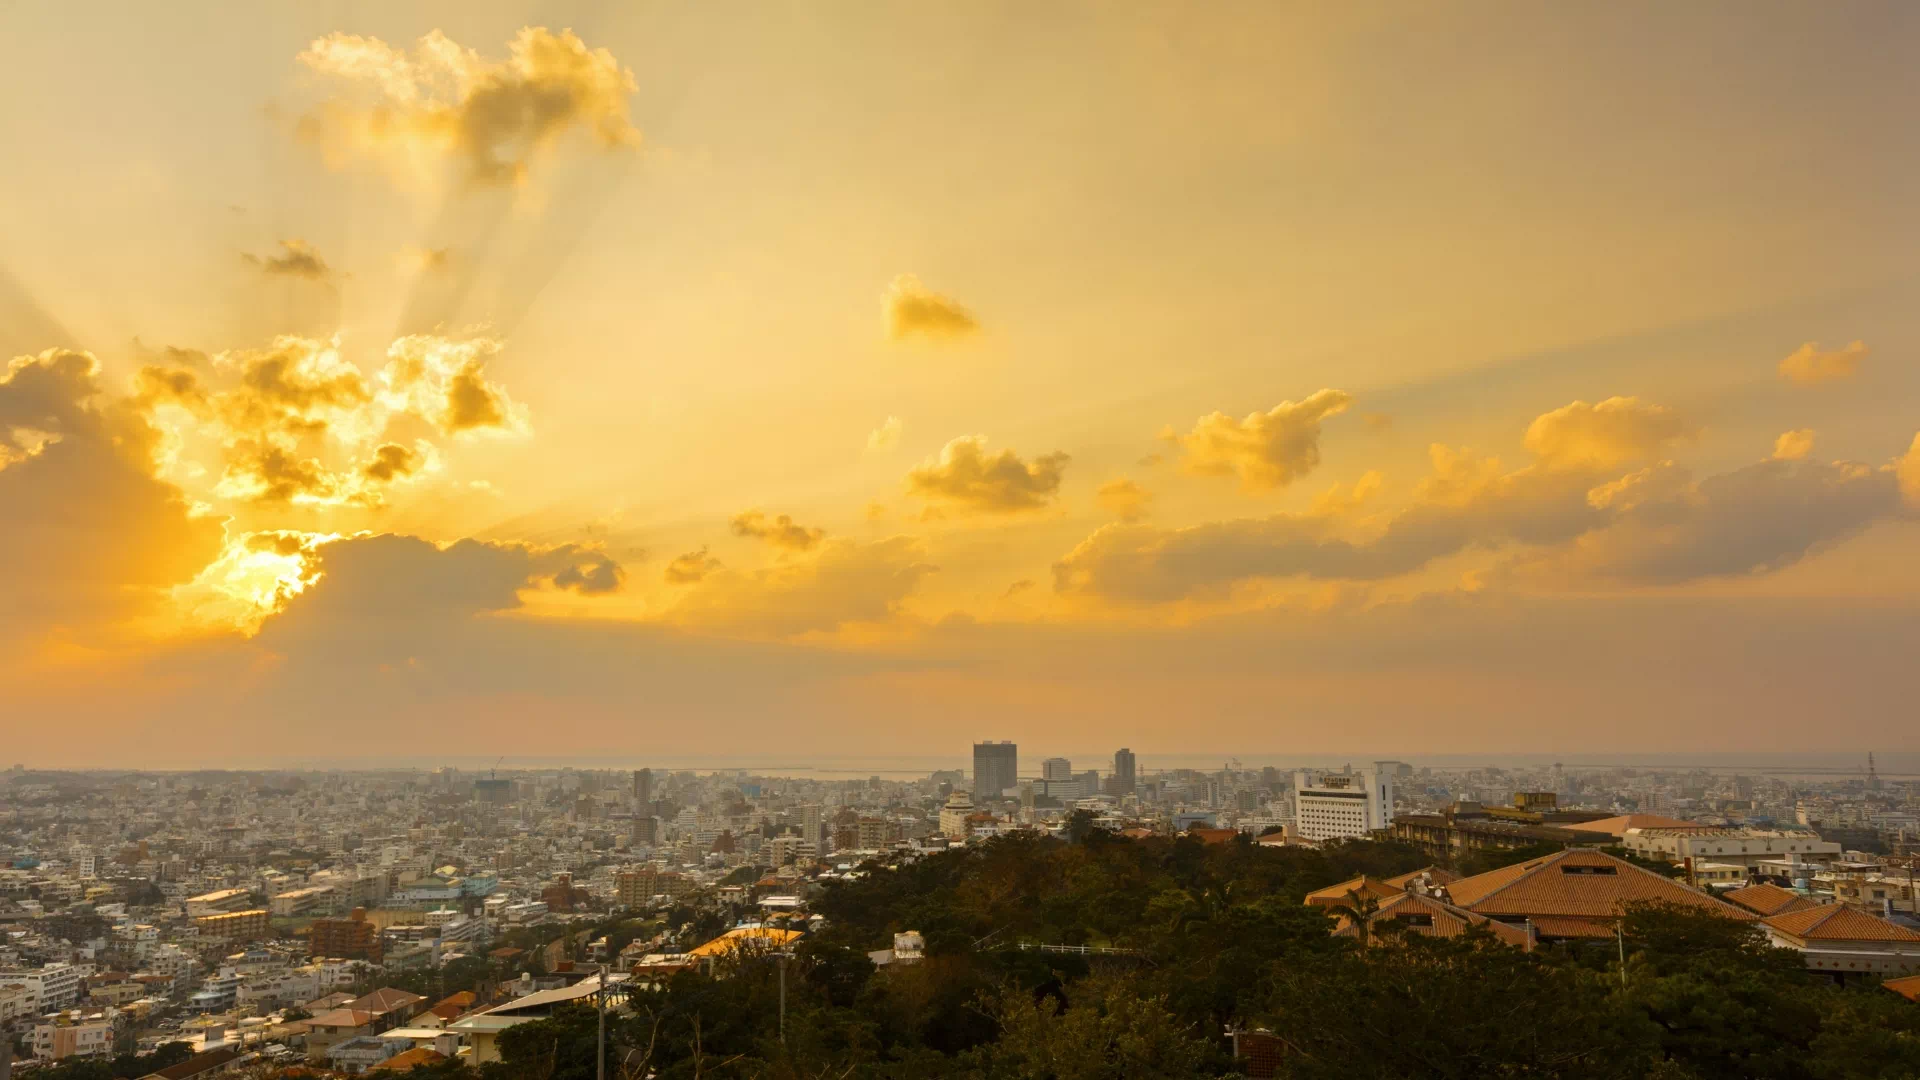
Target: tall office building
x,y
1056,768
1123,772
996,767
642,789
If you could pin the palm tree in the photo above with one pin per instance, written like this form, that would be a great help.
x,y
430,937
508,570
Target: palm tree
x,y
1360,908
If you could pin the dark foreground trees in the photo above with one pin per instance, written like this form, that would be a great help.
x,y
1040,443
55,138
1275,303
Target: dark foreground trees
x,y
1212,937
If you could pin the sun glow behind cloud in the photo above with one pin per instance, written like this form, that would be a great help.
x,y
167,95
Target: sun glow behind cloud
x,y
1425,446
254,577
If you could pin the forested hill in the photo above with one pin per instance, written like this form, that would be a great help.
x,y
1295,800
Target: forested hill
x,y
1212,938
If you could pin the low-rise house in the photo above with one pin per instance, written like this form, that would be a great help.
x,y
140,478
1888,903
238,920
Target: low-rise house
x,y
482,1029
361,1053
1842,941
1764,899
75,1034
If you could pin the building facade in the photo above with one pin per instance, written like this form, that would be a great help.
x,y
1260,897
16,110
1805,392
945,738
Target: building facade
x,y
996,768
1124,773
1346,804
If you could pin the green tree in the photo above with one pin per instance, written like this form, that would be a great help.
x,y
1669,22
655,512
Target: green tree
x,y
1100,1029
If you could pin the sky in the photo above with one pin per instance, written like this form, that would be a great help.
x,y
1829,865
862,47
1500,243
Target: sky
x,y
667,381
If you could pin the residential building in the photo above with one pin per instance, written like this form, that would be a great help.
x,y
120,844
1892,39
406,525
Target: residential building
x,y
364,1052
216,902
54,986
351,938
297,902
75,1034
249,925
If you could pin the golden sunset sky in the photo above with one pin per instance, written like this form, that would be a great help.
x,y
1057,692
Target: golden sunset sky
x,y
680,380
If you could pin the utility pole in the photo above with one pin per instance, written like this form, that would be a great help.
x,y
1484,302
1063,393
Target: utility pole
x,y
783,997
600,1048
1620,937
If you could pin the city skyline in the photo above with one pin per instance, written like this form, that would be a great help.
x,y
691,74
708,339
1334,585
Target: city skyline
x,y
615,385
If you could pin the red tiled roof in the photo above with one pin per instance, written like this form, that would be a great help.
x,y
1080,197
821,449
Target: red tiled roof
x,y
1768,899
385,1000
1908,987
1445,920
1838,922
343,1018
1335,895
1212,836
419,1055
1434,874
1578,883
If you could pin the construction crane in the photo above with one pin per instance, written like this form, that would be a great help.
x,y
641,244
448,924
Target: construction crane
x,y
494,773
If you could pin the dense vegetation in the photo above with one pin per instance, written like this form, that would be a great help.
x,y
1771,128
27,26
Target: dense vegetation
x,y
1217,936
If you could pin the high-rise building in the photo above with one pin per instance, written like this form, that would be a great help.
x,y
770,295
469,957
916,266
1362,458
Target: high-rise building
x,y
1123,779
996,768
1345,804
1056,768
642,789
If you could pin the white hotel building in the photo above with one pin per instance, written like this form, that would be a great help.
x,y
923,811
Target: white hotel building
x,y
1343,804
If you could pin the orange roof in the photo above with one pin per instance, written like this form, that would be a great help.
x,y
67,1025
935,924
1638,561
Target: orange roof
x,y
419,1055
1433,874
1618,826
344,1018
1576,884
1838,922
1335,895
1441,920
1908,987
1212,836
1768,899
738,937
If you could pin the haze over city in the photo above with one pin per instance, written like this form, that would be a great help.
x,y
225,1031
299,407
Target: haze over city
x,y
1297,382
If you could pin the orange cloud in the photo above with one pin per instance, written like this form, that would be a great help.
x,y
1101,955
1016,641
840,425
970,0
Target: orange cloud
x,y
1124,499
1809,364
966,478
1266,450
844,584
912,308
411,112
1614,432
781,532
296,259
1793,445
690,567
